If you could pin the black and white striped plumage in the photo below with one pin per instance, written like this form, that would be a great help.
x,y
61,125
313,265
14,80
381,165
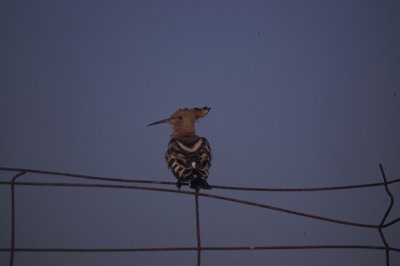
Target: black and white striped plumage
x,y
189,159
188,155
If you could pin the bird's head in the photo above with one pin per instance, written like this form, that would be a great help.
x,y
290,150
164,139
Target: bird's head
x,y
183,120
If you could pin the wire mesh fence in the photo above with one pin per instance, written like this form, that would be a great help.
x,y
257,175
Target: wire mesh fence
x,y
134,184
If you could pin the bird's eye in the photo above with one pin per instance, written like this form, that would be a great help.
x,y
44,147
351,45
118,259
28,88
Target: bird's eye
x,y
180,117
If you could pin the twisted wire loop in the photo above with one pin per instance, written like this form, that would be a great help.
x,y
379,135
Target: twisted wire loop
x,y
199,248
381,225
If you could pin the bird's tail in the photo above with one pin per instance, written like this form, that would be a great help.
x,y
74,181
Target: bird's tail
x,y
198,183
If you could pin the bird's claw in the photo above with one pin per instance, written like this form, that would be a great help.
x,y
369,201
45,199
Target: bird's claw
x,y
179,185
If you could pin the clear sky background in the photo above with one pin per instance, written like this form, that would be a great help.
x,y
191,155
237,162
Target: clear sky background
x,y
303,93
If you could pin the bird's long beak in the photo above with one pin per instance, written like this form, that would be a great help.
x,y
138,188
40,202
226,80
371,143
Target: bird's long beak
x,y
160,122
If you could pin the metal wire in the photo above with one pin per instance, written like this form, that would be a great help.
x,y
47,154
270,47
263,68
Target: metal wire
x,y
385,215
383,224
141,181
198,229
207,195
203,248
12,244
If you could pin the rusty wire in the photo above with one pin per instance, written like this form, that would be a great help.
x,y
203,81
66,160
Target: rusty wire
x,y
207,195
203,248
383,224
152,182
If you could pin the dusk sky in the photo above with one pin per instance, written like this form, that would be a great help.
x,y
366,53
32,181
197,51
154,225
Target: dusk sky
x,y
302,94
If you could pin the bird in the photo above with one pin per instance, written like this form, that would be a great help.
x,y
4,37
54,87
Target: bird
x,y
188,155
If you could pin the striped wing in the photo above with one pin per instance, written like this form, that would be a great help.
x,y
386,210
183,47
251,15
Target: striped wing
x,y
189,160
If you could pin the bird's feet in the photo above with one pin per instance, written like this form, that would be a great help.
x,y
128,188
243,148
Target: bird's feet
x,y
198,183
179,184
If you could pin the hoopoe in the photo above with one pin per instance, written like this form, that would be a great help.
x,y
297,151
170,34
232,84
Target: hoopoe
x,y
188,155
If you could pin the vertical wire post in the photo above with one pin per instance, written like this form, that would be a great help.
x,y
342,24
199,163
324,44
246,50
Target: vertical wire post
x,y
12,245
198,229
381,225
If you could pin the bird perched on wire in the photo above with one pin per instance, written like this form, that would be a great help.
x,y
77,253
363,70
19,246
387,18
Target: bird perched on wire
x,y
188,155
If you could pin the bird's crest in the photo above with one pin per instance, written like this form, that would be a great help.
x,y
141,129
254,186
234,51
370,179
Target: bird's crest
x,y
191,114
183,120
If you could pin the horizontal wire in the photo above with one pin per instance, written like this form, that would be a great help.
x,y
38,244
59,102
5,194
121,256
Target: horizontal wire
x,y
245,202
203,248
305,189
199,248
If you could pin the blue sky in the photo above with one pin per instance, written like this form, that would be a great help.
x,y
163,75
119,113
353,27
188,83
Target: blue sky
x,y
303,93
